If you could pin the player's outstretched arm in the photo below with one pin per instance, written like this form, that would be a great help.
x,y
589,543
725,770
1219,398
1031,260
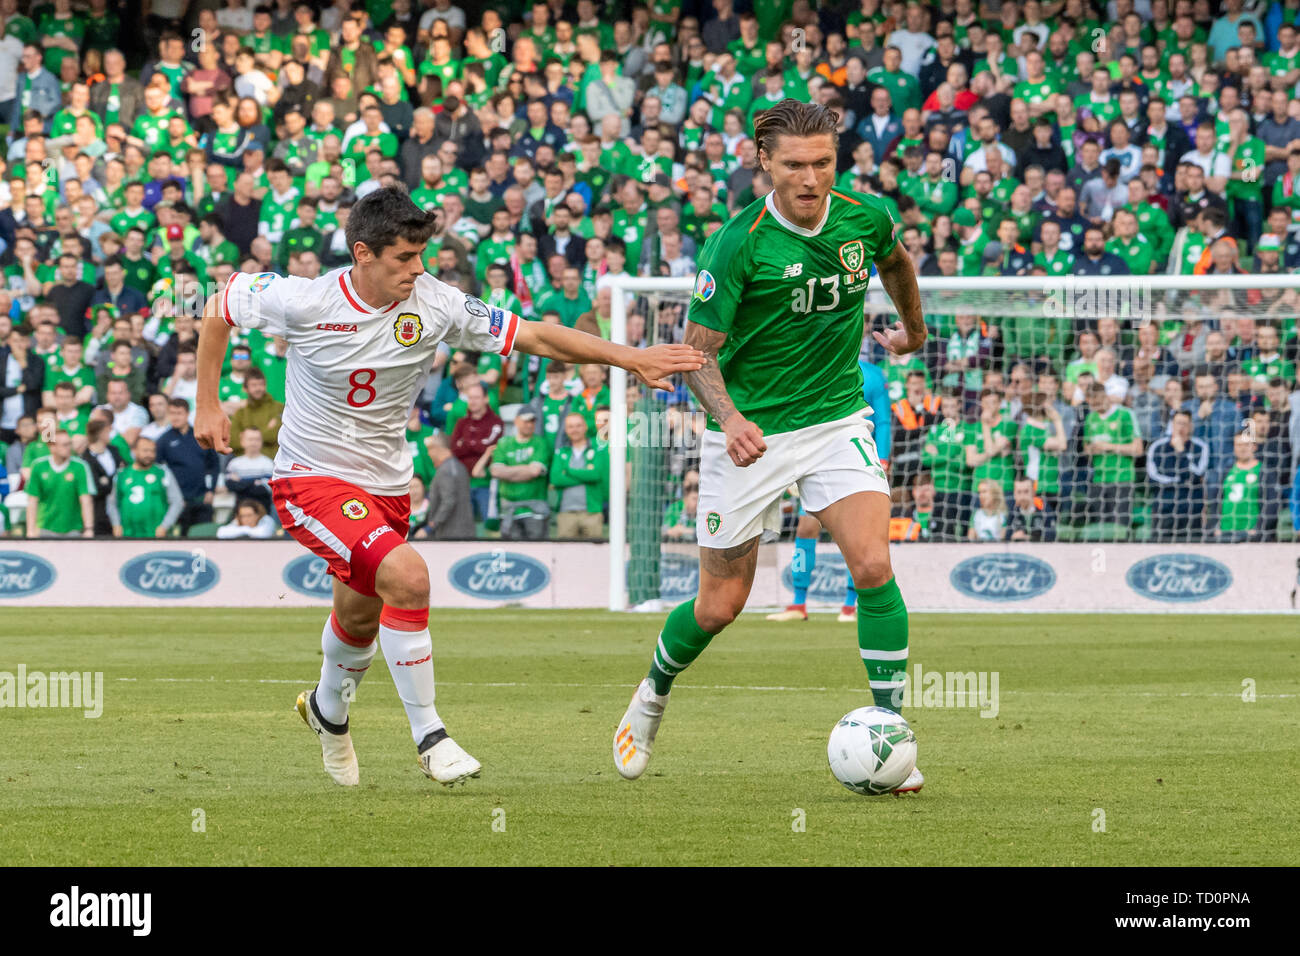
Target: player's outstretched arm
x,y
211,423
899,279
745,443
651,365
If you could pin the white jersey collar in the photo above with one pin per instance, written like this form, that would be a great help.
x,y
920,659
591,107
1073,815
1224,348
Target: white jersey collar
x,y
770,202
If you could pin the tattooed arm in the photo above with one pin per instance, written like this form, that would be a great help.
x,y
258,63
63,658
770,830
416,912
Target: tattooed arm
x,y
745,443
899,279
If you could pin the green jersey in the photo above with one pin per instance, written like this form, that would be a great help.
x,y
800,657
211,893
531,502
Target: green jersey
x,y
511,451
1241,495
80,377
58,490
1119,427
1000,468
1263,370
142,498
790,301
1247,180
421,462
1139,254
1041,467
944,454
278,213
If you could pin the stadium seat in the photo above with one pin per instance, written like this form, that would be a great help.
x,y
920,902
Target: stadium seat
x,y
206,529
1105,531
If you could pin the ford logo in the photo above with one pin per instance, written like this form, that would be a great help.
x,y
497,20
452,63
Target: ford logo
x,y
309,575
1179,577
170,574
1003,577
23,574
829,578
679,577
499,576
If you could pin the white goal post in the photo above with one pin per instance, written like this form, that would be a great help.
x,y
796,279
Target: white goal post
x,y
1133,300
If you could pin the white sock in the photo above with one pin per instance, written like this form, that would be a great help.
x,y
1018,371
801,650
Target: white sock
x,y
340,672
410,660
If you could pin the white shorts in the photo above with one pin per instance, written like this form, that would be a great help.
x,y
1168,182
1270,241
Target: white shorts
x,y
827,462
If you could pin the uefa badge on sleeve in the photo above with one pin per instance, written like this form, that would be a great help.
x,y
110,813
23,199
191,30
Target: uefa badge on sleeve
x,y
705,286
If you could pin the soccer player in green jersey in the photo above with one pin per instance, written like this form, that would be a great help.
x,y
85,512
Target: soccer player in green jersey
x,y
146,500
778,311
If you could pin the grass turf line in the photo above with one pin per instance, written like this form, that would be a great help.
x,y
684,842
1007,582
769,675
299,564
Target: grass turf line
x,y
1140,717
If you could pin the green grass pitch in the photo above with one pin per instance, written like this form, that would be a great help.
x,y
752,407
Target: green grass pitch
x,y
1141,718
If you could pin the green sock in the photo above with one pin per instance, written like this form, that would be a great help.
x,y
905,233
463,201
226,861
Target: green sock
x,y
680,642
882,638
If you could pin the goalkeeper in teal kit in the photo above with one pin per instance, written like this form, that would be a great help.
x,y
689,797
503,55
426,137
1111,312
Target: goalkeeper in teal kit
x,y
778,311
875,391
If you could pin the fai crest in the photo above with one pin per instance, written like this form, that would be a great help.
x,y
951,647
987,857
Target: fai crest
x,y
852,255
354,509
713,521
407,328
705,286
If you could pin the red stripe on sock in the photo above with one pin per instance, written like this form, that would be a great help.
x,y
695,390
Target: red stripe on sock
x,y
345,637
404,619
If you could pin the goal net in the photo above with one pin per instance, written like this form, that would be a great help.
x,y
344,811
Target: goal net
x,y
1152,409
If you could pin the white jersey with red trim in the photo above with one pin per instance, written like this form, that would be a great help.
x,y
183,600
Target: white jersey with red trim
x,y
353,372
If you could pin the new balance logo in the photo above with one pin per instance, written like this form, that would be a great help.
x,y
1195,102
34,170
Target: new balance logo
x,y
793,271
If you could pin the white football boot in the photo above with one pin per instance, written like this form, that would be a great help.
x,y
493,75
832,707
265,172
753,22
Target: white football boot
x,y
848,614
444,760
795,612
336,749
914,782
636,731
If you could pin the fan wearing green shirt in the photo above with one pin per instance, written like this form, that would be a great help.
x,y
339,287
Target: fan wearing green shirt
x,y
990,443
133,215
150,127
904,91
1242,494
59,494
70,368
61,31
145,500
1245,190
570,301
1112,441
279,204
520,466
304,237
1130,245
371,137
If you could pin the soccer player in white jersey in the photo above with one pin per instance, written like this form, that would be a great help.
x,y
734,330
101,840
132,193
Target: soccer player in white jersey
x,y
361,342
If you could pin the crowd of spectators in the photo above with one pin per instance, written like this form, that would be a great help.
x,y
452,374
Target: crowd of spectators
x,y
568,143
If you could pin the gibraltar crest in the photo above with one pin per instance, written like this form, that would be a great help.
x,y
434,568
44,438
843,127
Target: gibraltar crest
x,y
852,255
407,328
354,509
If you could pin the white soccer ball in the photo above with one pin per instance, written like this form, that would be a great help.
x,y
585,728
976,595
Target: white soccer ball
x,y
872,750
